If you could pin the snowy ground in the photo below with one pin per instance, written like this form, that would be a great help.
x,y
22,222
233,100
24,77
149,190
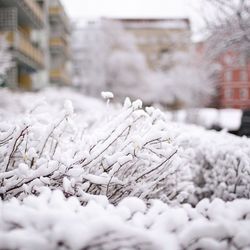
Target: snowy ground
x,y
78,173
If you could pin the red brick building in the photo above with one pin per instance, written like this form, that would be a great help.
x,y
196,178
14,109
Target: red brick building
x,y
234,82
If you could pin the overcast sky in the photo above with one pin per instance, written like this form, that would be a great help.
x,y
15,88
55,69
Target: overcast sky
x,y
90,9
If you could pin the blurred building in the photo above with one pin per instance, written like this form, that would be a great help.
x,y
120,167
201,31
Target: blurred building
x,y
18,18
232,78
27,25
234,81
158,38
60,65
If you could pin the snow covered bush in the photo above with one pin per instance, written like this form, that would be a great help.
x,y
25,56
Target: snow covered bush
x,y
220,162
126,152
114,151
50,221
97,177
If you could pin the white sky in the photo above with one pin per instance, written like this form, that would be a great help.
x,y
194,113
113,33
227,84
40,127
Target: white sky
x,y
91,9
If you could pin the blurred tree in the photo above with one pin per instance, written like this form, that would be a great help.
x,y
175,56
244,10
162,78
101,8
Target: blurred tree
x,y
188,83
228,25
108,59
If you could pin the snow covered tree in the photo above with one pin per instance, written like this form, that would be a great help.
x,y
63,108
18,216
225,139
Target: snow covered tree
x,y
116,64
127,74
5,59
186,82
88,54
227,25
107,58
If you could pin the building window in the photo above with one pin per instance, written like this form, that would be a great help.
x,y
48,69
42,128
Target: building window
x,y
142,40
227,59
228,94
242,60
244,94
228,76
243,76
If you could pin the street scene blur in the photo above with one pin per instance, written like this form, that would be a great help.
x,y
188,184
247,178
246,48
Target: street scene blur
x,y
196,59
124,124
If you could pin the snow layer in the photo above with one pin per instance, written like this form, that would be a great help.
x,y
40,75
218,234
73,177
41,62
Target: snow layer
x,y
51,221
111,169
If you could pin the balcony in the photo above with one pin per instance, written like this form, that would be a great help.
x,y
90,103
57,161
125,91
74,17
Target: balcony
x,y
54,33
57,12
24,51
58,43
59,76
25,81
35,9
29,12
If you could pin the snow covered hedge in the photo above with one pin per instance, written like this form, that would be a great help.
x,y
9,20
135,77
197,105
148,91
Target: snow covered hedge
x,y
114,151
51,221
220,163
116,177
125,153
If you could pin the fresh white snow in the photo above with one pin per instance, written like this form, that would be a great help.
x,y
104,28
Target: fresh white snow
x,y
76,174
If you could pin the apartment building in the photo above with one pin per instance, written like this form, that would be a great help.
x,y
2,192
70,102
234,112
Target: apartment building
x,y
28,25
232,78
59,44
18,18
234,81
157,38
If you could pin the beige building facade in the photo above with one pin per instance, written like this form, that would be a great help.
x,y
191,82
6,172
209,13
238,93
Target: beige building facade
x,y
157,38
59,44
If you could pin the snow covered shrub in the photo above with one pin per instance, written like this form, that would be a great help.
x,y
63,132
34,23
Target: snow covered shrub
x,y
127,152
50,221
114,151
220,163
